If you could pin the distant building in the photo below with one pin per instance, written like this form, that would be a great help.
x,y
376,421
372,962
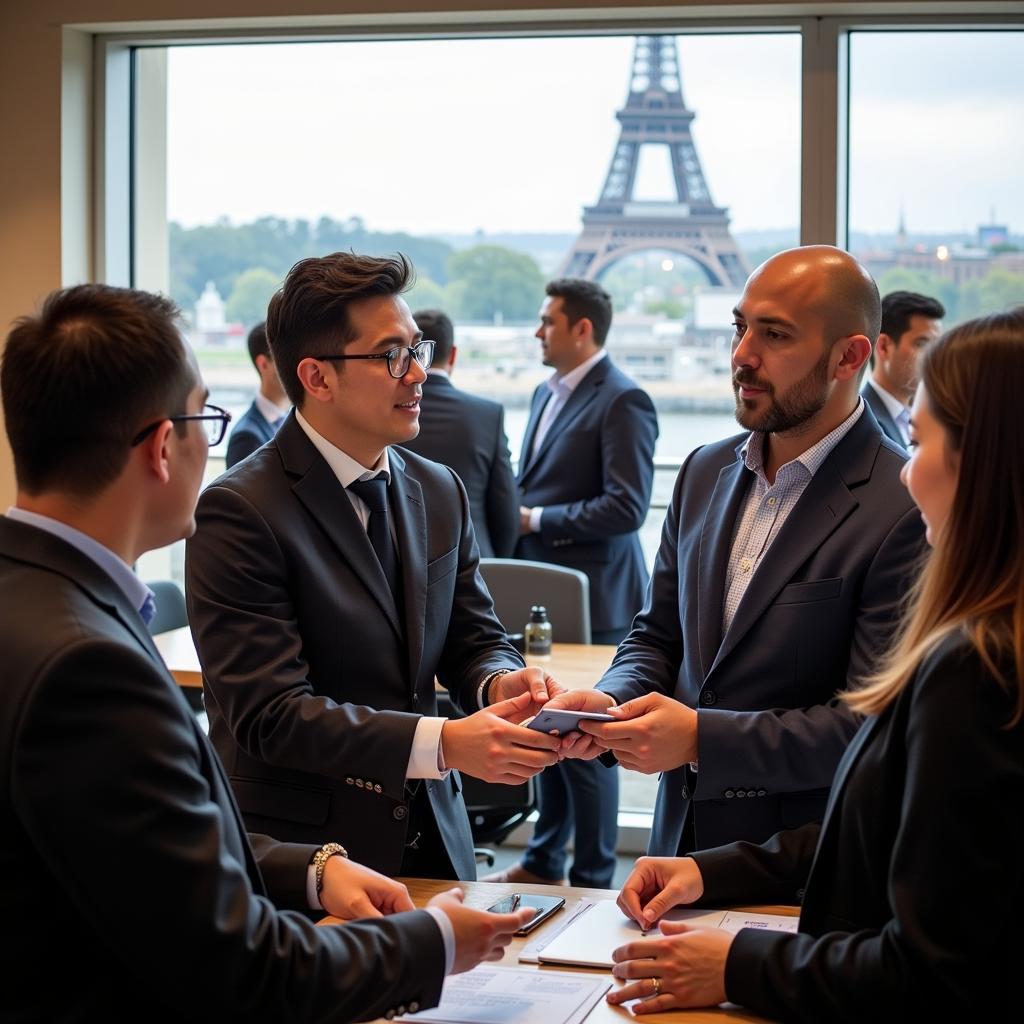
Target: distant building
x,y
211,327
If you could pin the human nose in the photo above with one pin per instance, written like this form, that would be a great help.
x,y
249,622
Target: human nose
x,y
539,333
744,351
414,372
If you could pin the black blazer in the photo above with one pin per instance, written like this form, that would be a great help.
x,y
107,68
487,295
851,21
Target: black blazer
x,y
913,888
250,432
467,434
314,681
593,474
819,608
120,835
882,414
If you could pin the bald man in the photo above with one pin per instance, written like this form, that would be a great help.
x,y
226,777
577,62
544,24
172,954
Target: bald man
x,y
782,560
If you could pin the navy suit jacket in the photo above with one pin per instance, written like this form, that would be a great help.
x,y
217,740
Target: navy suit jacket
x,y
817,613
250,432
885,420
119,828
467,434
314,680
593,475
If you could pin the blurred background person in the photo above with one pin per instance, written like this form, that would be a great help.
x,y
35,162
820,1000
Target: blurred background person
x,y
260,421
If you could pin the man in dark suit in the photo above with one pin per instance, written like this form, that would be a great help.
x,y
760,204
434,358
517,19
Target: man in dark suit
x,y
258,424
333,579
118,821
467,434
585,477
782,561
909,322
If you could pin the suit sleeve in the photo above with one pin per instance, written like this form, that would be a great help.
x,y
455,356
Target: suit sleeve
x,y
628,433
241,444
138,846
502,496
797,749
955,875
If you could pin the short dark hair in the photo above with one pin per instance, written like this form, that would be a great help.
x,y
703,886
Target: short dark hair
x,y
899,307
584,299
257,342
310,310
81,378
436,327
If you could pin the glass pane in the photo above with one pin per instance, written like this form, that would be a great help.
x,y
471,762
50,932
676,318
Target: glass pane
x,y
935,203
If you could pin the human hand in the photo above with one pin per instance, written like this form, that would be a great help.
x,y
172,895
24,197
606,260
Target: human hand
x,y
657,734
578,744
656,885
351,890
479,934
541,687
524,521
491,745
682,967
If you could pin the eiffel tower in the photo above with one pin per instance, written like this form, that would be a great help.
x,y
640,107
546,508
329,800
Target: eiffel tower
x,y
655,114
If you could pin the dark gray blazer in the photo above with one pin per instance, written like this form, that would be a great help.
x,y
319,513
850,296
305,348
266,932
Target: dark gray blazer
x,y
467,434
885,420
593,474
314,681
120,831
817,613
250,432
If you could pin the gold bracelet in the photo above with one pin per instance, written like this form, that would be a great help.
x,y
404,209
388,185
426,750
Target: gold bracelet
x,y
320,859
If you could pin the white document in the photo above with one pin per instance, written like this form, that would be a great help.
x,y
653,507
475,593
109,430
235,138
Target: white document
x,y
508,995
590,938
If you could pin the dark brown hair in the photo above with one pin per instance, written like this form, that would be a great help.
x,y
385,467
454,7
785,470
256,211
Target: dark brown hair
x,y
584,299
436,327
309,313
80,379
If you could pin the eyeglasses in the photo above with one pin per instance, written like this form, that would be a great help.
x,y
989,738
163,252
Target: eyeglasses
x,y
214,419
399,359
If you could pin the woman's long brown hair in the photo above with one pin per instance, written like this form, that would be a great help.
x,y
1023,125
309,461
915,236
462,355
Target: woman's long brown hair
x,y
973,582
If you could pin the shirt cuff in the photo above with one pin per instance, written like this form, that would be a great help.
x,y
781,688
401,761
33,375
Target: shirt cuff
x,y
425,760
447,935
311,897
535,514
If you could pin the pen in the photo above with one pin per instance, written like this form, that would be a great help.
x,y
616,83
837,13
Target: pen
x,y
515,901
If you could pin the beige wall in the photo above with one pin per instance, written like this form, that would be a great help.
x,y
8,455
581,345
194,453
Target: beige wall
x,y
34,34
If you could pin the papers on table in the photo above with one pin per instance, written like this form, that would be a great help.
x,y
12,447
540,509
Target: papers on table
x,y
507,995
590,937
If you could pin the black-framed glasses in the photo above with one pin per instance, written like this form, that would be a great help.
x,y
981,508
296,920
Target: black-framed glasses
x,y
399,359
214,419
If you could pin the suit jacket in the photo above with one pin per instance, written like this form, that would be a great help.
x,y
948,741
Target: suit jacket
x,y
913,888
882,414
820,607
314,681
250,432
119,830
593,474
467,434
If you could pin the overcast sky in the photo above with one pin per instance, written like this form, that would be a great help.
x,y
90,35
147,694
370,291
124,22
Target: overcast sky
x,y
512,134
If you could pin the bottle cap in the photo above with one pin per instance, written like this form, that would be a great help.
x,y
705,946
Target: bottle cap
x,y
538,613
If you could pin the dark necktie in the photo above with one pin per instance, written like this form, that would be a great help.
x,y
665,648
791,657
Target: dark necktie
x,y
375,494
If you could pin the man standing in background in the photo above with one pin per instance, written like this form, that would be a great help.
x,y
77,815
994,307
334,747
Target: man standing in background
x,y
467,433
260,421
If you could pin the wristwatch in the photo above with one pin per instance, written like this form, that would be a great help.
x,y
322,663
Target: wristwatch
x,y
320,859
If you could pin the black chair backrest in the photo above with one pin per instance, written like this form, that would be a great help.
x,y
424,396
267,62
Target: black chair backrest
x,y
516,585
170,607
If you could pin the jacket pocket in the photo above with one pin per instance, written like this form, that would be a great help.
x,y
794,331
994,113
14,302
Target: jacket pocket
x,y
443,566
804,593
288,803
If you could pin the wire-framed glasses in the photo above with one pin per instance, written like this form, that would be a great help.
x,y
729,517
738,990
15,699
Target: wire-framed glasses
x,y
399,359
213,418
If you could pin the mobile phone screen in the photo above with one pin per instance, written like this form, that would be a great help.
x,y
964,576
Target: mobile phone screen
x,y
544,906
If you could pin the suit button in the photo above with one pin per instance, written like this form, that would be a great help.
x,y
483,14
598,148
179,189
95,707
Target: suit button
x,y
414,1006
730,793
740,792
349,781
400,1011
751,792
400,813
708,697
359,783
378,788
684,793
390,1015
762,792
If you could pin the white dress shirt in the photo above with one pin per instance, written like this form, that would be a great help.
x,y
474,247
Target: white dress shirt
x,y
269,410
896,409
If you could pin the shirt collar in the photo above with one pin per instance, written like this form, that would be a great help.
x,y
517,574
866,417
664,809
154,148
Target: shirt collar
x,y
894,406
568,382
119,571
269,410
437,371
344,467
752,452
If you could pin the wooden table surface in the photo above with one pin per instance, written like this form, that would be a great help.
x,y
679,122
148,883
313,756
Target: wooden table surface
x,y
576,666
486,894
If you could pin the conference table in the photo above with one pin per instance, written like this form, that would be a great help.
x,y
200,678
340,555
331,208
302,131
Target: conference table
x,y
486,894
576,666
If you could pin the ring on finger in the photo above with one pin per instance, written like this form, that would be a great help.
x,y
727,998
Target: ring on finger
x,y
656,985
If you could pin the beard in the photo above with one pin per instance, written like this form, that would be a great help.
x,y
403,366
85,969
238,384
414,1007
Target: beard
x,y
804,399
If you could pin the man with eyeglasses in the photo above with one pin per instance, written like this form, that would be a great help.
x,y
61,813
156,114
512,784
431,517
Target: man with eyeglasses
x,y
334,577
119,828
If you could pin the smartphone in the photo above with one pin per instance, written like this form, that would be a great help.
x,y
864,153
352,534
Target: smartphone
x,y
565,721
544,906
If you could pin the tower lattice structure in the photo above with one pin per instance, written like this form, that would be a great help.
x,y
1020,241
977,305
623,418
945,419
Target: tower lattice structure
x,y
618,225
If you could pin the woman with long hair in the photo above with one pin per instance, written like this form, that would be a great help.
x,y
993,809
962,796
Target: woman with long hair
x,y
913,886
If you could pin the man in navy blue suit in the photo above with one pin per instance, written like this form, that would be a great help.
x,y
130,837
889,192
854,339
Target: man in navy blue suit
x,y
909,322
585,477
258,424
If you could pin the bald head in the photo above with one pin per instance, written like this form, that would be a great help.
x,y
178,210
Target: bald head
x,y
825,283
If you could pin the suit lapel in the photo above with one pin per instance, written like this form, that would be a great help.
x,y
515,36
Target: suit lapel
x,y
715,543
411,530
541,397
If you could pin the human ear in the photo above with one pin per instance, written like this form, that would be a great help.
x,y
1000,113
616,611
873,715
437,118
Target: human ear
x,y
856,350
156,451
312,377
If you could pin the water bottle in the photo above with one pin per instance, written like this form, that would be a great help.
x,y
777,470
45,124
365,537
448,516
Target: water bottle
x,y
538,632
